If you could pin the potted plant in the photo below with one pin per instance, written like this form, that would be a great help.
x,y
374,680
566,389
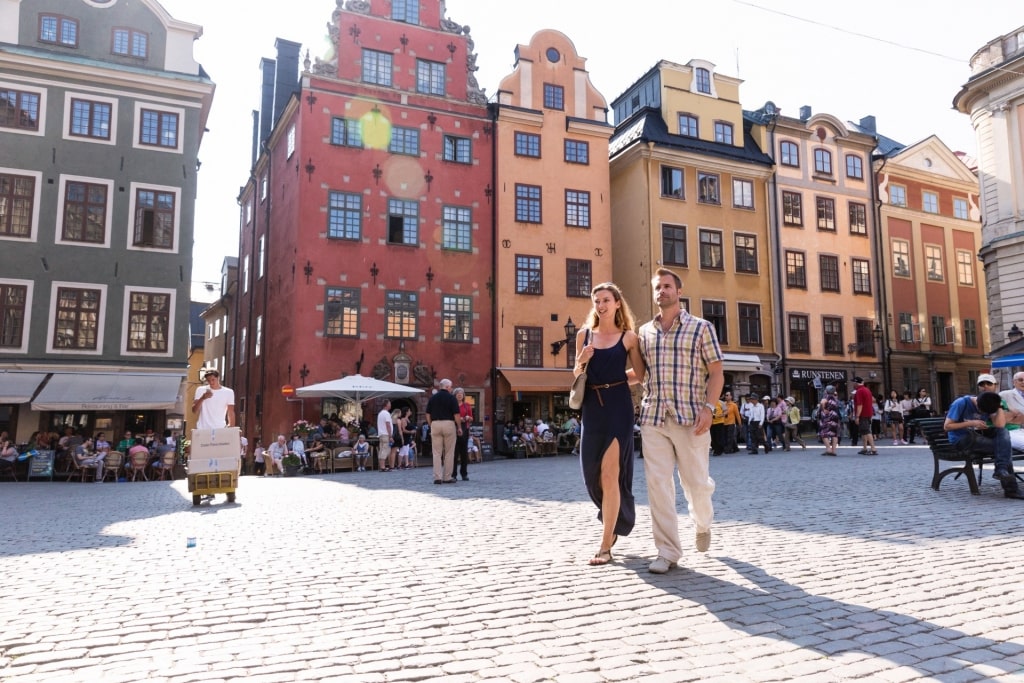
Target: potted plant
x,y
291,464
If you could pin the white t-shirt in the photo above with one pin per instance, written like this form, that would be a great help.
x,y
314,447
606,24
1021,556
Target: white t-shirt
x,y
213,411
384,427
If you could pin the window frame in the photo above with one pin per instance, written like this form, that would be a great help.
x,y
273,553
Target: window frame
x,y
901,191
860,272
529,346
970,333
828,273
151,345
789,153
745,256
347,132
131,34
401,306
342,311
744,198
576,152
456,228
702,79
18,202
796,269
72,116
825,213
61,25
63,207
526,144
529,275
98,323
136,208
21,111
691,129
554,97
667,254
457,149
854,167
431,77
457,314
965,268
406,11
715,311
906,327
799,338
529,203
749,317
669,187
857,214
341,216
376,67
897,256
961,208
793,214
401,137
579,278
724,132
708,249
709,188
934,271
832,335
822,162
577,208
930,202
18,313
408,212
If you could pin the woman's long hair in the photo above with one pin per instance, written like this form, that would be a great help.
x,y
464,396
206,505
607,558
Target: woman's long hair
x,y
623,316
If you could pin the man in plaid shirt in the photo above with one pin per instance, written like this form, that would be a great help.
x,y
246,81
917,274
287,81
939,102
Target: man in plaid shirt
x,y
684,375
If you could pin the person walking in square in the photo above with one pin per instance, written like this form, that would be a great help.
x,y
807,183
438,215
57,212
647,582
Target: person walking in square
x,y
442,411
684,374
608,348
214,403
863,409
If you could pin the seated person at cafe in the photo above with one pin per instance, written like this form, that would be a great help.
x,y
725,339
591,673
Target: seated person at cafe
x,y
125,444
298,447
158,451
101,442
978,424
361,451
8,455
277,451
136,447
85,455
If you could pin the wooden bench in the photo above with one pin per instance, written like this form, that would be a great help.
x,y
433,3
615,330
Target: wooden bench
x,y
944,451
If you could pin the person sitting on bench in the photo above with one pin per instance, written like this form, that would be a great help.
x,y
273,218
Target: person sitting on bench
x,y
978,424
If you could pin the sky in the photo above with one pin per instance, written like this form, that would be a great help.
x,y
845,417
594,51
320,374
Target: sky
x,y
902,61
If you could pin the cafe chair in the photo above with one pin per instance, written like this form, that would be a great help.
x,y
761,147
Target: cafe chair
x,y
343,459
7,470
164,468
139,462
75,469
112,465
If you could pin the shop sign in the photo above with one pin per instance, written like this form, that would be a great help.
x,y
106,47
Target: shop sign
x,y
818,373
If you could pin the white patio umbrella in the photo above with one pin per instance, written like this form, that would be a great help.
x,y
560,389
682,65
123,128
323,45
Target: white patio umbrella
x,y
356,388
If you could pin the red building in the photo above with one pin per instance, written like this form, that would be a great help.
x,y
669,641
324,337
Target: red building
x,y
366,224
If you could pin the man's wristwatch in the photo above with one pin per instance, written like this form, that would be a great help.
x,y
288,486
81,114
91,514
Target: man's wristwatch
x,y
710,407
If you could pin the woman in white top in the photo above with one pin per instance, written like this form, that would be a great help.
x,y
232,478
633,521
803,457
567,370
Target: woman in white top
x,y
893,410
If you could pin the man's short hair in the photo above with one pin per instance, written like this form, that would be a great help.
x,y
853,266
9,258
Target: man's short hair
x,y
445,384
662,272
989,402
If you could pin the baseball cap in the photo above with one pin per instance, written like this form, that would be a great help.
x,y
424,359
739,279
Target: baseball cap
x,y
985,377
790,400
858,380
766,398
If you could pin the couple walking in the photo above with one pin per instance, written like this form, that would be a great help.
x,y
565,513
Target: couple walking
x,y
677,358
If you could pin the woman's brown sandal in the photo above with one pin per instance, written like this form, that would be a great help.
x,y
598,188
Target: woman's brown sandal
x,y
602,557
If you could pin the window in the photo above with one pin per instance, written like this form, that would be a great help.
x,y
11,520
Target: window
x,y
90,119
456,318
13,299
673,245
789,154
264,186
529,275
832,334
341,312
346,132
711,249
128,42
829,267
965,268
430,78
898,195
243,345
823,161
746,253
85,213
403,222
938,330
796,269
714,313
290,144
858,219
554,96
59,30
578,278
456,228
826,208
344,215
400,312
723,132
901,258
404,141
906,328
970,333
688,125
261,257
17,197
707,188
154,219
703,80
406,10
376,67
528,347
959,207
527,203
792,208
245,274
742,194
577,209
149,318
750,324
77,323
854,166
861,276
19,110
929,202
933,262
672,182
527,145
865,337
457,149
799,339
257,339
577,152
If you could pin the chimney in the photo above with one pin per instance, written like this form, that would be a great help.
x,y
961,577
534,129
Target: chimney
x,y
268,67
868,124
805,112
287,80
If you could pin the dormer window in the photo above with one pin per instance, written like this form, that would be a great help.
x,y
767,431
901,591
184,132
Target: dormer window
x,y
703,81
58,30
128,42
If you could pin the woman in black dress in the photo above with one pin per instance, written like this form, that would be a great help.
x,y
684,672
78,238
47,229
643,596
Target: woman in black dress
x,y
608,347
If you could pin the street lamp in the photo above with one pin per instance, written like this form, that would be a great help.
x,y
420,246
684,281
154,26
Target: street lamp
x,y
570,338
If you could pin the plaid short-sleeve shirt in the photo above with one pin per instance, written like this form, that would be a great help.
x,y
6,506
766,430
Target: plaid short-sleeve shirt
x,y
677,368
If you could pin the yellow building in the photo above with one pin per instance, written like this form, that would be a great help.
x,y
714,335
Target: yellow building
x,y
689,192
553,225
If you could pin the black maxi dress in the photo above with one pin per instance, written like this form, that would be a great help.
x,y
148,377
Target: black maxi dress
x,y
607,416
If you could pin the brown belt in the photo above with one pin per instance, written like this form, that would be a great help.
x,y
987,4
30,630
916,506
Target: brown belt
x,y
598,387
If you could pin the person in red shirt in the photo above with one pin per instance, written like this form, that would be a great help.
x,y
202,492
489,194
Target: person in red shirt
x,y
863,407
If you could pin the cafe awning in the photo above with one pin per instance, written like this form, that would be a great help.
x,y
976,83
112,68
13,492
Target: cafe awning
x,y
110,391
742,362
1011,361
19,387
538,379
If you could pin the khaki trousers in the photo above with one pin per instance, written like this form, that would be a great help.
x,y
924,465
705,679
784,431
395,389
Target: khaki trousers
x,y
669,448
442,439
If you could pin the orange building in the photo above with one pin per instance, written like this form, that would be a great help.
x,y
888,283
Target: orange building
x,y
553,225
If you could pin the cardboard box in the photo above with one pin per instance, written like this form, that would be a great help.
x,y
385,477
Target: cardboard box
x,y
215,450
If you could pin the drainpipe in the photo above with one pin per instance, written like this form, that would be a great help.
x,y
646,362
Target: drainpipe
x,y
493,293
775,234
266,278
883,304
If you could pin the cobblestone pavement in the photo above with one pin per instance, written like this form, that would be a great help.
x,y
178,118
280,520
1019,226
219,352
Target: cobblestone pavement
x,y
820,569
